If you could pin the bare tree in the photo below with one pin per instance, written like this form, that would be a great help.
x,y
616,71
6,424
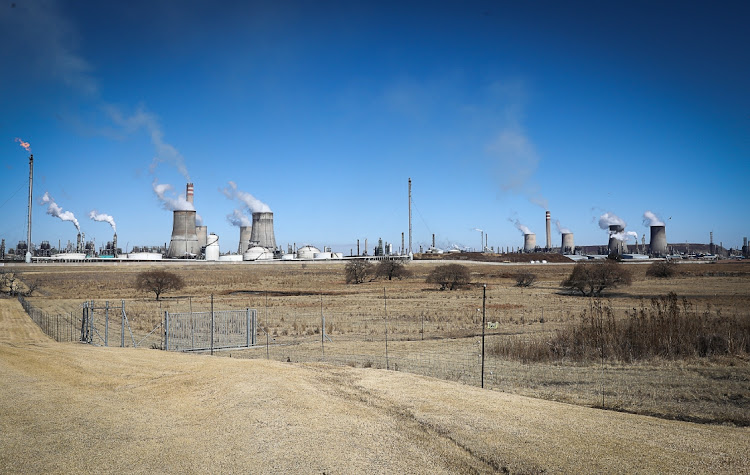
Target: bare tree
x,y
358,271
449,276
525,279
158,282
593,279
391,269
661,269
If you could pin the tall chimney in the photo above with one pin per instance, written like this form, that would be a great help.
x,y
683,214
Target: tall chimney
x,y
189,193
409,219
549,233
28,231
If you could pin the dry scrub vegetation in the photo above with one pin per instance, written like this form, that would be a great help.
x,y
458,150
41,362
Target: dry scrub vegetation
x,y
548,343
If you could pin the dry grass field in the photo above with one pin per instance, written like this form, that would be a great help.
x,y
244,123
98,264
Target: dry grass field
x,y
436,333
72,408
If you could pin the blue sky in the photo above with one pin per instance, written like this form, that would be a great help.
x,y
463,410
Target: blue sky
x,y
323,111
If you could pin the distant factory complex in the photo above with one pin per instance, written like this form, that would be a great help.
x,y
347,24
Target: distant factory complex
x,y
257,241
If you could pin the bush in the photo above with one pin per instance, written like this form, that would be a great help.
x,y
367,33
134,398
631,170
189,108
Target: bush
x,y
391,269
593,279
158,282
525,279
661,269
450,276
358,271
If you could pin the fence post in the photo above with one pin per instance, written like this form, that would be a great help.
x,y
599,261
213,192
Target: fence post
x,y
255,328
212,324
91,322
166,330
122,332
106,323
83,321
247,325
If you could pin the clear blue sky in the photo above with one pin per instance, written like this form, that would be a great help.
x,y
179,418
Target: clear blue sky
x,y
323,110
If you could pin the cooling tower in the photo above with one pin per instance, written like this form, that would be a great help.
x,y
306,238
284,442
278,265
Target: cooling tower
x,y
658,241
549,235
567,247
616,246
262,233
184,242
202,232
529,242
245,237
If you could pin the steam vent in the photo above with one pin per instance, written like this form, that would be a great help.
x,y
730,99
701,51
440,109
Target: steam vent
x,y
262,233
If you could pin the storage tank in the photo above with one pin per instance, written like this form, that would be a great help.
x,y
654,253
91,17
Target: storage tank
x,y
568,246
307,252
231,258
257,253
658,241
322,255
184,242
529,242
262,230
212,248
245,236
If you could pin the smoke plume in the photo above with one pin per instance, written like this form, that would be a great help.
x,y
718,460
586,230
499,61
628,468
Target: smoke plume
x,y
238,218
624,235
171,203
561,229
25,145
650,219
103,218
610,219
524,230
54,210
248,201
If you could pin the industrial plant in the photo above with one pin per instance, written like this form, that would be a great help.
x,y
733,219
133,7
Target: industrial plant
x,y
190,240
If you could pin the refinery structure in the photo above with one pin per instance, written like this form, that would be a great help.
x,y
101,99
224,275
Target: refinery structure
x,y
257,241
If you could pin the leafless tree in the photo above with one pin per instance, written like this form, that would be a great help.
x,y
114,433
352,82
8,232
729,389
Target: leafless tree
x,y
358,271
158,282
391,269
525,279
449,276
592,279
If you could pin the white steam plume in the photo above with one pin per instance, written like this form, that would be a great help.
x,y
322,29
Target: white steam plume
x,y
524,230
54,210
238,218
104,218
624,235
610,219
249,201
171,203
650,219
561,229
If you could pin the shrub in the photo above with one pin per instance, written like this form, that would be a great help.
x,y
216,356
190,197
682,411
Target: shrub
x,y
661,269
450,276
358,271
525,279
391,269
158,282
593,279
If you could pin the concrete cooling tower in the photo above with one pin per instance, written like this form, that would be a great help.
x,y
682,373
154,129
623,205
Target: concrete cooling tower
x,y
567,247
658,241
184,242
245,237
262,232
529,242
616,246
202,232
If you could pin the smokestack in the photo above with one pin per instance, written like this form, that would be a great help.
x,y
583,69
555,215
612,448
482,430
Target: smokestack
x,y
245,237
658,241
409,219
567,247
403,251
262,230
114,245
357,246
711,247
28,231
184,242
529,242
189,193
549,232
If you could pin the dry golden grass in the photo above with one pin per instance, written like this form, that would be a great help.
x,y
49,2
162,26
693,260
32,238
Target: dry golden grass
x,y
68,407
288,297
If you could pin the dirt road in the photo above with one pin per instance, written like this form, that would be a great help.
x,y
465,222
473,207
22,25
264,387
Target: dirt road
x,y
75,408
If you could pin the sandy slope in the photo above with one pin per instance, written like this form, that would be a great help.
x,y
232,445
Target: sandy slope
x,y
73,408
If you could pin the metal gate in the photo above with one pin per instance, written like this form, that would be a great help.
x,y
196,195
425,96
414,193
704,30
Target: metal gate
x,y
198,331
